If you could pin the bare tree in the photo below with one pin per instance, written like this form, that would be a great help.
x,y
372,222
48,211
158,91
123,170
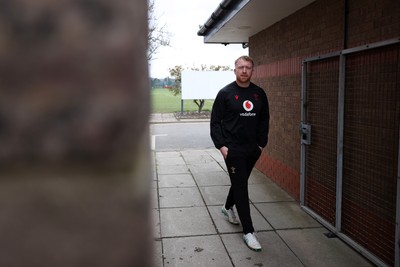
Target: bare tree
x,y
158,35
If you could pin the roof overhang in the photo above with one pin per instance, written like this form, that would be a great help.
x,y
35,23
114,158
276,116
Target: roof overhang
x,y
234,21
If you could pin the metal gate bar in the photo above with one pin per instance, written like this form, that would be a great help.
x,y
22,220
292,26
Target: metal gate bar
x,y
370,151
336,226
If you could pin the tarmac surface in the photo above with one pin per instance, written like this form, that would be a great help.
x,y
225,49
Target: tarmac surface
x,y
189,188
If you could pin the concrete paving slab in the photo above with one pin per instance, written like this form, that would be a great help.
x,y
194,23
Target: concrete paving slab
x,y
172,169
216,155
196,156
180,197
274,251
214,195
223,226
170,161
168,154
286,215
168,116
223,166
162,118
175,180
257,177
215,178
154,184
154,117
205,167
314,249
156,223
195,251
267,193
298,246
154,199
158,255
192,221
259,222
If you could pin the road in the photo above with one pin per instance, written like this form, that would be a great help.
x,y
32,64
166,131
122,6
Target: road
x,y
180,136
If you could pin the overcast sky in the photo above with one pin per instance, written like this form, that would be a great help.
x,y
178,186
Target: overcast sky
x,y
182,19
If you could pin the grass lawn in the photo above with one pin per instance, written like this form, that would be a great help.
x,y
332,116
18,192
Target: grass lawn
x,y
163,101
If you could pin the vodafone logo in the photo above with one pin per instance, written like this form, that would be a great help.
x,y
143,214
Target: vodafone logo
x,y
248,105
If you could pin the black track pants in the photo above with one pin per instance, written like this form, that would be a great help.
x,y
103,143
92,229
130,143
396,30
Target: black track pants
x,y
240,162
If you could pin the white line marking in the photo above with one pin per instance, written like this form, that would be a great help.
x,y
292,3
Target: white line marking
x,y
153,140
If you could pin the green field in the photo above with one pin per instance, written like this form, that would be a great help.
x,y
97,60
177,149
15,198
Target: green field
x,y
163,101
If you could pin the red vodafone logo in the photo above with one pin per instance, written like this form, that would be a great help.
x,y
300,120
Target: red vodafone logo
x,y
248,105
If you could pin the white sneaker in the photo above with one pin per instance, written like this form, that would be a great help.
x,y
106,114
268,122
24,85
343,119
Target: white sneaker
x,y
252,242
230,215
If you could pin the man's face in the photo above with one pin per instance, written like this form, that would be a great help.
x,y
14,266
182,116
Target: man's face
x,y
243,71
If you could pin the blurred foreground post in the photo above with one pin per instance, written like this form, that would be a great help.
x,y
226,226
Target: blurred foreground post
x,y
74,156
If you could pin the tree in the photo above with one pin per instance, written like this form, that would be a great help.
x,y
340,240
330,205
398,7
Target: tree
x,y
157,34
176,72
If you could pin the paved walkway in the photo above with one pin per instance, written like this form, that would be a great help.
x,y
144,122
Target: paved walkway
x,y
169,118
162,118
189,188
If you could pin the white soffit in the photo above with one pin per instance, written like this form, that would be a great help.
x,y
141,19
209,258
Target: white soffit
x,y
253,17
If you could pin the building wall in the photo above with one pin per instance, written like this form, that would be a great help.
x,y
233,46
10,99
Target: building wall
x,y
278,52
372,21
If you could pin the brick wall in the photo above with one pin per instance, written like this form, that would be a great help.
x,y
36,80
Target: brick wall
x,y
371,21
278,52
315,29
322,27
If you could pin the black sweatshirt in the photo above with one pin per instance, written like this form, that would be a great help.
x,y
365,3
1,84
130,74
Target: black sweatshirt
x,y
240,116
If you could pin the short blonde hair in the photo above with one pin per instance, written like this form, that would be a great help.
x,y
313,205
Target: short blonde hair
x,y
245,58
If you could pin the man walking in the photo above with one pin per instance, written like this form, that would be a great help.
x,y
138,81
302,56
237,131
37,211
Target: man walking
x,y
239,129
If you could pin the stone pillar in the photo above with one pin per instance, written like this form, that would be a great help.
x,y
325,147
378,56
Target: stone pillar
x,y
75,166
